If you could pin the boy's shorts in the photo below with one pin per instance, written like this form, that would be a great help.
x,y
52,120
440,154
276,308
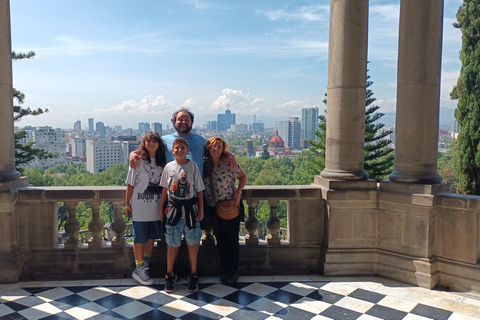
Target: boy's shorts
x,y
173,234
145,230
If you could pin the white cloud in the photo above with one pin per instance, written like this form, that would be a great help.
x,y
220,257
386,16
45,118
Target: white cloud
x,y
147,105
236,100
303,13
288,109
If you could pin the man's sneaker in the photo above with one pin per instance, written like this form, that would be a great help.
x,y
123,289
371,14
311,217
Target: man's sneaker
x,y
192,282
170,279
141,275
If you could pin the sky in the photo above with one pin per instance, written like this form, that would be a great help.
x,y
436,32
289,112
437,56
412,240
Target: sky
x,y
123,62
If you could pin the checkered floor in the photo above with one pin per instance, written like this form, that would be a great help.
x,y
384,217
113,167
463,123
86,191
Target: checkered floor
x,y
283,297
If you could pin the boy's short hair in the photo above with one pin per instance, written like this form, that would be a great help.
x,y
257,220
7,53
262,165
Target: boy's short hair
x,y
180,140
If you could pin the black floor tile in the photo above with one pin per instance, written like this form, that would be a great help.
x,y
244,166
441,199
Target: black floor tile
x,y
339,313
386,313
367,295
431,312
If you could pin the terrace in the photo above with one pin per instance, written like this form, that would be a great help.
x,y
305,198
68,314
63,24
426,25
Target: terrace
x,y
408,228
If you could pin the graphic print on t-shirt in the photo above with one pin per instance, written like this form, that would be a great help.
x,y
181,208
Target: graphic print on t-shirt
x,y
180,188
153,189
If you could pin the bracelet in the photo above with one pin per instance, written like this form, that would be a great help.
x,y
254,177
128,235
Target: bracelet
x,y
240,191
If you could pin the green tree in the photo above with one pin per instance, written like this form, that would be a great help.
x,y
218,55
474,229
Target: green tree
x,y
467,91
25,153
379,156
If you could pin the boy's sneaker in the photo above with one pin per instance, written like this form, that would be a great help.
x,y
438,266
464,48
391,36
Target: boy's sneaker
x,y
141,275
192,282
170,279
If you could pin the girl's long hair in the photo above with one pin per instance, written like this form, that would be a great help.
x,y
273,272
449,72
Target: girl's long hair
x,y
142,151
207,161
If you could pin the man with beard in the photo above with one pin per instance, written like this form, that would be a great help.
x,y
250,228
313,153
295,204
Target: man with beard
x,y
182,121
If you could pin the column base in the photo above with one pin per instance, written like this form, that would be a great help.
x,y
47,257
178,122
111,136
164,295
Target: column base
x,y
430,178
9,175
343,175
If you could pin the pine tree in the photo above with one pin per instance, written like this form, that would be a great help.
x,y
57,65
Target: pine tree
x,y
467,91
24,153
379,156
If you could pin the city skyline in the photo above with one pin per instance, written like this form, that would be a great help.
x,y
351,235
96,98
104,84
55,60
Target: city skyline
x,y
144,60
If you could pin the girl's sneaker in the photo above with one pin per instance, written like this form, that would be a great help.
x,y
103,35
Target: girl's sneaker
x,y
141,275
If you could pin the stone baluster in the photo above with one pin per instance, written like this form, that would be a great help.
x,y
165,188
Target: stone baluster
x,y
118,226
72,226
251,223
95,226
207,227
208,239
273,224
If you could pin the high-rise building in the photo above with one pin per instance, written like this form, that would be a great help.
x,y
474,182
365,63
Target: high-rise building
x,y
309,123
100,128
289,131
104,155
51,140
143,127
224,121
90,125
157,127
77,126
294,130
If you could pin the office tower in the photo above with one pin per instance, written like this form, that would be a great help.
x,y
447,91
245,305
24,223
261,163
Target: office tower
x,y
77,126
294,131
289,131
90,125
143,127
100,128
103,155
224,121
282,130
309,123
157,127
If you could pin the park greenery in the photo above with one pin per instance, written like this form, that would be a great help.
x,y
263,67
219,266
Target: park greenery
x,y
467,154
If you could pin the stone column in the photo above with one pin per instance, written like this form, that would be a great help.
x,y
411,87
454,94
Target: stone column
x,y
418,92
10,260
7,146
347,68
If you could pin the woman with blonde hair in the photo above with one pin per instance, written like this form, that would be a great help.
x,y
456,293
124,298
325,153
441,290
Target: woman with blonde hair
x,y
220,186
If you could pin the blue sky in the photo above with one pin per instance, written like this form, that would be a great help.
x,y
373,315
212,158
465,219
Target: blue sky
x,y
122,62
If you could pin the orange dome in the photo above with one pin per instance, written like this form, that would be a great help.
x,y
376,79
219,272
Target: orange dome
x,y
276,141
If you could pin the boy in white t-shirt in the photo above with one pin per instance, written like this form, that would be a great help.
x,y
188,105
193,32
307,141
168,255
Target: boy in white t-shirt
x,y
183,195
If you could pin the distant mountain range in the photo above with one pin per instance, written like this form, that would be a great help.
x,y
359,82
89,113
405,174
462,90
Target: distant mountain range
x,y
446,118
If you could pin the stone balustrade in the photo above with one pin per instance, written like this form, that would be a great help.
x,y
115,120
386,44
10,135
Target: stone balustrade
x,y
417,234
85,254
